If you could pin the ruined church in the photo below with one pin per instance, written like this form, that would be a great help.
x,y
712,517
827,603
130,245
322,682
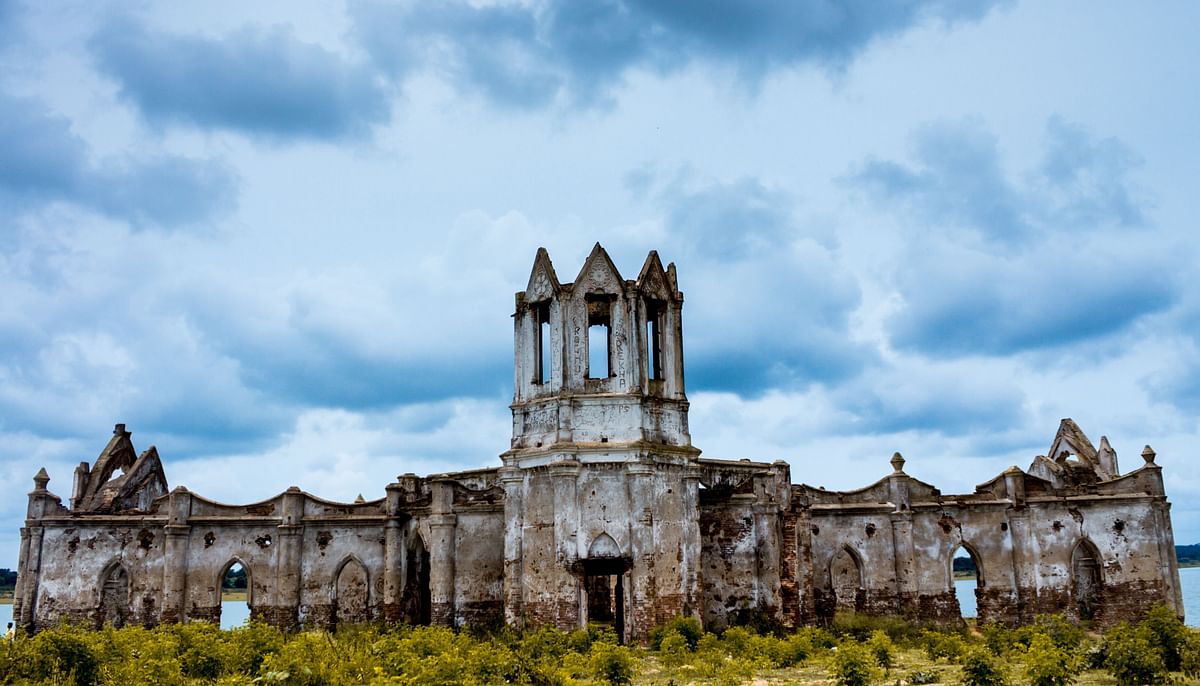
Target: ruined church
x,y
602,510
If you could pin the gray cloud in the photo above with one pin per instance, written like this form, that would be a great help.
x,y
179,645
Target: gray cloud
x,y
528,55
261,83
46,162
957,180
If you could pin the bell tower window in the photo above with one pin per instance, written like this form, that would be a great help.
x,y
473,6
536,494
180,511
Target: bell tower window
x,y
599,336
654,321
541,370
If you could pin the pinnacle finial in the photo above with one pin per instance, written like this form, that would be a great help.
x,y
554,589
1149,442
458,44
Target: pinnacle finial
x,y
897,462
41,479
1148,455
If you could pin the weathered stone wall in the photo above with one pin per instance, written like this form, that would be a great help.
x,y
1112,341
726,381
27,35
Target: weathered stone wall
x,y
604,511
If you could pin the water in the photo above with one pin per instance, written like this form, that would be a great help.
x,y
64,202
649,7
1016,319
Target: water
x,y
236,612
1189,583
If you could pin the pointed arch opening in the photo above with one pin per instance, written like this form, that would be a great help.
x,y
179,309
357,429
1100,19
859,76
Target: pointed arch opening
x,y
966,579
351,592
846,580
114,596
234,594
1087,582
416,600
603,573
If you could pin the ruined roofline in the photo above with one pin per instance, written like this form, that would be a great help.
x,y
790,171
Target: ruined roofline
x,y
652,278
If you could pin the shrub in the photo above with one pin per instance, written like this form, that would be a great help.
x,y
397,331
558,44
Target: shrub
x,y
612,664
862,626
61,655
882,649
981,667
939,645
852,665
1189,656
1066,634
1046,664
687,627
736,640
1167,633
792,650
673,649
1131,657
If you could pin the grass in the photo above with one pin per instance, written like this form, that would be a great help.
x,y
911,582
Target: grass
x,y
228,595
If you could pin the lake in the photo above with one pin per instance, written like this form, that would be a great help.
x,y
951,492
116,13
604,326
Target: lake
x,y
235,613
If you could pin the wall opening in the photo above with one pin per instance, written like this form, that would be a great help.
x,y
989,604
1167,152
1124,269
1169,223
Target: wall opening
x,y
114,597
846,581
233,598
654,312
541,372
604,587
416,603
965,581
1087,583
351,591
599,336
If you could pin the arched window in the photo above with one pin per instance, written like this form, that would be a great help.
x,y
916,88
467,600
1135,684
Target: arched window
x,y
114,595
351,591
234,589
1087,583
966,579
846,580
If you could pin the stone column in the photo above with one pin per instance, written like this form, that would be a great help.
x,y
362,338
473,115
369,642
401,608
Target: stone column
x,y
175,556
22,574
643,591
29,589
1023,562
690,562
564,475
766,532
284,612
904,551
443,529
393,555
512,479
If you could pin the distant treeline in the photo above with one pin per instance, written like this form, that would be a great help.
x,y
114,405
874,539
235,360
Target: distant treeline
x,y
1188,555
235,578
8,578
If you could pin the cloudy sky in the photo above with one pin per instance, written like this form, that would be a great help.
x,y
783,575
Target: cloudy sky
x,y
280,241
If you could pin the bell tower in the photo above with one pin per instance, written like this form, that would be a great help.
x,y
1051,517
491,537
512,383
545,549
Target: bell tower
x,y
599,361
601,481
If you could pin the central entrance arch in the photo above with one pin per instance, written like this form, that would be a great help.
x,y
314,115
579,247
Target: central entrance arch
x,y
603,573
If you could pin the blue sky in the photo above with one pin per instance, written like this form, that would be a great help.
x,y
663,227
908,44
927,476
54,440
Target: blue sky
x,y
280,241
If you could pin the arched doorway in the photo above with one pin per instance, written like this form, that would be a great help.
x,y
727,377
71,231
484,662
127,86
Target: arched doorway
x,y
416,599
966,580
351,593
604,584
846,580
234,590
114,596
1087,583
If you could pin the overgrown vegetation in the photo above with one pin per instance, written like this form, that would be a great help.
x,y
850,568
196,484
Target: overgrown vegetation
x,y
853,651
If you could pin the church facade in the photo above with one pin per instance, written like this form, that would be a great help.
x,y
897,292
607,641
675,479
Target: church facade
x,y
602,510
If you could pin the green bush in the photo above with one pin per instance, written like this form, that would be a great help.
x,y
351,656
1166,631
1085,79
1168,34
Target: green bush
x,y
860,626
673,649
687,627
1046,664
980,667
612,664
1167,633
1131,656
852,665
882,649
792,650
940,645
918,677
60,656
